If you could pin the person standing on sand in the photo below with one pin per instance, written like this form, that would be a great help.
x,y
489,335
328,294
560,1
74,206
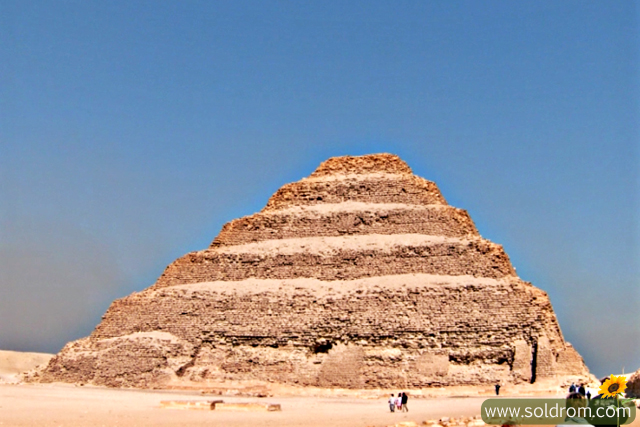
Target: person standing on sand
x,y
498,389
392,403
399,402
404,400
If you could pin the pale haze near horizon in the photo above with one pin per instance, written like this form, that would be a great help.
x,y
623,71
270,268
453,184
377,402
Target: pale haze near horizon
x,y
130,132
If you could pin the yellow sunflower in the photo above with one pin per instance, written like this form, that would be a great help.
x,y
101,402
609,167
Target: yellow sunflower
x,y
613,386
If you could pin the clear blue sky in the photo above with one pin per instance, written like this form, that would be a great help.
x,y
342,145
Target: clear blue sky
x,y
131,131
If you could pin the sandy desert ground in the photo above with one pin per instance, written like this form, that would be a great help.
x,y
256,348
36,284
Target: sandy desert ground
x,y
65,405
62,405
57,405
70,406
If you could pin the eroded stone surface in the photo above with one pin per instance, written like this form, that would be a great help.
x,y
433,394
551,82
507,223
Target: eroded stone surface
x,y
359,276
633,385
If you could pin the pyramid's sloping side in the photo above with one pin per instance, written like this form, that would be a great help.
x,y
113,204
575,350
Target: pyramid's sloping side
x,y
360,275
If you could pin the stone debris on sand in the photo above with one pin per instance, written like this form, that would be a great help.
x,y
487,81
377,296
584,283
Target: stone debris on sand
x,y
444,422
360,276
190,404
248,407
220,405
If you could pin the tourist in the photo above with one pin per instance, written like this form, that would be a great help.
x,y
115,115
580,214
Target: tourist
x,y
498,389
589,394
399,402
576,401
572,389
581,390
405,398
392,403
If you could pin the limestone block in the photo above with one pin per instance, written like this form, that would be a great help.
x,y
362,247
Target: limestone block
x,y
342,367
545,358
522,360
432,365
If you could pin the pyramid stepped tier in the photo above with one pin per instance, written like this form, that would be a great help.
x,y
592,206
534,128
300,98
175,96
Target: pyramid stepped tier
x,y
378,188
266,312
359,276
362,165
342,258
347,218
432,315
368,179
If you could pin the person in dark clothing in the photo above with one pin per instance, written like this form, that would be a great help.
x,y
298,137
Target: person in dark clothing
x,y
581,390
497,389
589,395
572,389
405,398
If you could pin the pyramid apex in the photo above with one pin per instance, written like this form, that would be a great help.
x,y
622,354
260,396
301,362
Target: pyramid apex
x,y
367,164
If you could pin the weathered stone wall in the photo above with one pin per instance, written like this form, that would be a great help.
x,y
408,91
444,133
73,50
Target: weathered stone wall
x,y
144,360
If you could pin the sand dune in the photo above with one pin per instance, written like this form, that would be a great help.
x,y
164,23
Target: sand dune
x,y
13,363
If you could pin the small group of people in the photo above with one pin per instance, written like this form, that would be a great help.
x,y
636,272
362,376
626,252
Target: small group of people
x,y
580,390
399,403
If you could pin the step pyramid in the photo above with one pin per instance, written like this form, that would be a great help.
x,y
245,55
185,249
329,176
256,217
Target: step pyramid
x,y
358,276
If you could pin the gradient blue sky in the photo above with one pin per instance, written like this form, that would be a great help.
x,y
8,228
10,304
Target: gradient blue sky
x,y
130,132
